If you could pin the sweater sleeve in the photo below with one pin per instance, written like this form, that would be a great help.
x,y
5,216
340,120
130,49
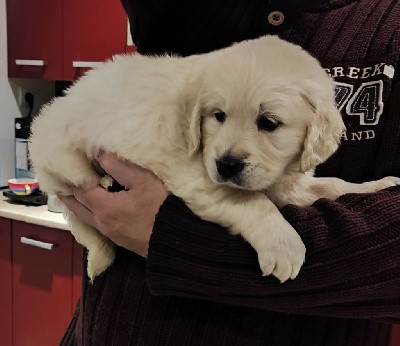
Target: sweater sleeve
x,y
352,266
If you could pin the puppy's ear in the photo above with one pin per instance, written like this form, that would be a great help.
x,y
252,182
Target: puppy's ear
x,y
193,94
194,138
325,129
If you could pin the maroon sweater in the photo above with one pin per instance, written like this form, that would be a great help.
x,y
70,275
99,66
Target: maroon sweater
x,y
201,285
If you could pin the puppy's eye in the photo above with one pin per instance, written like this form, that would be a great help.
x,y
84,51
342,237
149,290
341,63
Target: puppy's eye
x,y
268,124
220,116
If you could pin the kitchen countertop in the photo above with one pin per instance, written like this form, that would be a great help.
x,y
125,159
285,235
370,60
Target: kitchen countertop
x,y
38,215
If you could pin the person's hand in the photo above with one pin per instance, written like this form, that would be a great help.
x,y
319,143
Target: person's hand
x,y
126,217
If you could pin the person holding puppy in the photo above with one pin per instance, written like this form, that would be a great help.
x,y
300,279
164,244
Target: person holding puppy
x,y
178,280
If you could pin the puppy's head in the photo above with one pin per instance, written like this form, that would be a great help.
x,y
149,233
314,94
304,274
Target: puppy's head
x,y
263,108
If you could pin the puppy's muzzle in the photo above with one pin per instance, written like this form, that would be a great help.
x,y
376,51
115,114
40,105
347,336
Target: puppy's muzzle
x,y
229,167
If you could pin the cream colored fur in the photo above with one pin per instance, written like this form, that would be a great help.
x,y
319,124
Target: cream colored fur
x,y
160,113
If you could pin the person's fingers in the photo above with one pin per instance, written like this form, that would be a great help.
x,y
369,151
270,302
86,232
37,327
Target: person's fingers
x,y
78,209
123,172
92,198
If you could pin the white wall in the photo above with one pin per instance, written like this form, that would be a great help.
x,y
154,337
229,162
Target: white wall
x,y
8,106
12,103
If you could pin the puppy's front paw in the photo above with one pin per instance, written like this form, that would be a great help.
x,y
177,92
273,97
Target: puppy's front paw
x,y
389,181
106,182
283,255
380,184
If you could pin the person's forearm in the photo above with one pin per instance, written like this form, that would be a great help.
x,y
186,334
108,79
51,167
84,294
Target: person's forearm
x,y
352,264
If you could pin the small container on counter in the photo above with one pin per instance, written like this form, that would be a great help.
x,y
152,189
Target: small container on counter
x,y
54,204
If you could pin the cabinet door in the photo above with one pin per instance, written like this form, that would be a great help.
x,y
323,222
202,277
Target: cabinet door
x,y
395,339
42,284
5,287
76,273
34,29
93,32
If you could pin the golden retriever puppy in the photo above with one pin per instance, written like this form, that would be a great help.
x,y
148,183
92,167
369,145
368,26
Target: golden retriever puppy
x,y
234,133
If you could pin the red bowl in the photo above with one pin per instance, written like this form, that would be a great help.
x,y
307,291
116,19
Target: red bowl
x,y
23,186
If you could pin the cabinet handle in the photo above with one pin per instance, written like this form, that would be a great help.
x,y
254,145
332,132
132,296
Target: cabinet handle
x,y
37,243
30,62
87,64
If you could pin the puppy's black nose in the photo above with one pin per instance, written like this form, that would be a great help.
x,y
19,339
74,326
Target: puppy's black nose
x,y
228,166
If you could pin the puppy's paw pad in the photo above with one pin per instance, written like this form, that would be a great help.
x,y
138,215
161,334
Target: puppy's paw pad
x,y
283,258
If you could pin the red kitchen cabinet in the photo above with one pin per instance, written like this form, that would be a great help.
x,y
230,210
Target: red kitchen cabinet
x,y
42,284
77,253
92,33
34,29
395,339
59,40
6,279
